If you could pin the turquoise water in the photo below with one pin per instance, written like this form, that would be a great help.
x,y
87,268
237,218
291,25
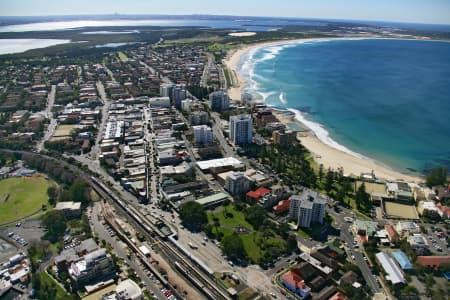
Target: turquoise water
x,y
388,100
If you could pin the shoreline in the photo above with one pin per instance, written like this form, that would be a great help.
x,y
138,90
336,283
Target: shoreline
x,y
331,157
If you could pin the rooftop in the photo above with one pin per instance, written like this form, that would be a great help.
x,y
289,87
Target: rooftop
x,y
220,162
393,272
212,199
402,260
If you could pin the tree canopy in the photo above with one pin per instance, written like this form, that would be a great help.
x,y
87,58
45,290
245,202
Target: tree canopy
x,y
193,215
437,176
55,223
233,247
255,215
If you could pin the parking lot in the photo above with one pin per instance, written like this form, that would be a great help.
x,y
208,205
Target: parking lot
x,y
437,242
23,233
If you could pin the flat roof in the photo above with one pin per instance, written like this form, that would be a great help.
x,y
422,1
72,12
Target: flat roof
x,y
212,199
220,162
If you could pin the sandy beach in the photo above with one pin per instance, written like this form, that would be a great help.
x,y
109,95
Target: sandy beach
x,y
323,153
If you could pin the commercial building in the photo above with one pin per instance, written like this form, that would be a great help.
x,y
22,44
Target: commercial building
x,y
402,260
219,101
307,208
406,228
212,200
70,209
241,127
95,265
203,134
393,273
433,261
237,183
220,163
161,102
417,242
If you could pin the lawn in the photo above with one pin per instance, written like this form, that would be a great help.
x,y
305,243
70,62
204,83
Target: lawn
x,y
60,293
22,196
122,56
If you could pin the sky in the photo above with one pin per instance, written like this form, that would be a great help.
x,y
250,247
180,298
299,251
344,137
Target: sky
x,y
414,11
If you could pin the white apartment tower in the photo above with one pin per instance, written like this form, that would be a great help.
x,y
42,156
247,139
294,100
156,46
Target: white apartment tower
x,y
241,127
307,208
203,134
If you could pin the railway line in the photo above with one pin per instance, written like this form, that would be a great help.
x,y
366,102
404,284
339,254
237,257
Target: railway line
x,y
191,268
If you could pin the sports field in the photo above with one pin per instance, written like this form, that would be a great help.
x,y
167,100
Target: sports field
x,y
21,196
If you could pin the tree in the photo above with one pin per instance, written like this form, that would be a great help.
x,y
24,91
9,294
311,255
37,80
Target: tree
x,y
437,176
55,223
255,215
52,193
193,215
78,192
362,198
320,172
329,181
233,247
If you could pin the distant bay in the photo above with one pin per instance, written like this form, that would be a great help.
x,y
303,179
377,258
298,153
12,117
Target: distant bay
x,y
388,100
9,46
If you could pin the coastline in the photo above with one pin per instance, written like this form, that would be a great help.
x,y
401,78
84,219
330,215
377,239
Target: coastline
x,y
323,153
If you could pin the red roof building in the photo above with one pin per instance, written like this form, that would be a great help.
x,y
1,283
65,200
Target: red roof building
x,y
256,195
295,283
433,261
444,211
282,206
339,296
391,232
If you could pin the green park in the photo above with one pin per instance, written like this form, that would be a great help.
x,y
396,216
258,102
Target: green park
x,y
21,197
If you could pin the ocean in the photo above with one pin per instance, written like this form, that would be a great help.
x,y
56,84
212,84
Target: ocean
x,y
387,100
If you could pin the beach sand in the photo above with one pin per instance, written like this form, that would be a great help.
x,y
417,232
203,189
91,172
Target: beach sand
x,y
323,154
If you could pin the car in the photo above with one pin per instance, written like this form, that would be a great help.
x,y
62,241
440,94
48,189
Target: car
x,y
353,257
230,263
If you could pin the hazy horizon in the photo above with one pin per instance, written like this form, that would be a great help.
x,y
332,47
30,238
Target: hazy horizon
x,y
401,11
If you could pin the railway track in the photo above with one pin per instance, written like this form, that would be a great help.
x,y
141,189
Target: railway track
x,y
192,270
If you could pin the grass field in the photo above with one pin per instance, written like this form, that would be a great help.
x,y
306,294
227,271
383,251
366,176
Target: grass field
x,y
230,218
122,56
22,196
